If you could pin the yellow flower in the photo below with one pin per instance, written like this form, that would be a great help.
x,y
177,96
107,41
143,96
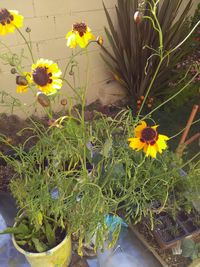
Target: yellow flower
x,y
80,35
148,139
9,20
46,75
22,82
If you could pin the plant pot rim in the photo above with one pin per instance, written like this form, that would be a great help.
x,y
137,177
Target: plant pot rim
x,y
36,254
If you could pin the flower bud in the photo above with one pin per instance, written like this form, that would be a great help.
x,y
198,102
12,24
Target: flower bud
x,y
138,17
43,99
21,80
63,102
99,40
28,30
13,71
71,72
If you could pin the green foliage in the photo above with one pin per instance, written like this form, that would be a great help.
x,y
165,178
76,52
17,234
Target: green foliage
x,y
134,46
190,249
138,183
79,172
55,191
189,189
185,68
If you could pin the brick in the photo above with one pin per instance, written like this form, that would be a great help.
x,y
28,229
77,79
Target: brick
x,y
10,39
50,21
63,24
42,28
25,8
26,59
54,49
51,7
100,74
78,6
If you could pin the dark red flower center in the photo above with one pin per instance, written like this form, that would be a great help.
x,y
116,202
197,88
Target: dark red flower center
x,y
5,16
41,76
149,136
81,28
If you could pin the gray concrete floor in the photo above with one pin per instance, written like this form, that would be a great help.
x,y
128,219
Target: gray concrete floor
x,y
129,251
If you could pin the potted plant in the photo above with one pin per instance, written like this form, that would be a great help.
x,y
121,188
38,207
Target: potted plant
x,y
58,184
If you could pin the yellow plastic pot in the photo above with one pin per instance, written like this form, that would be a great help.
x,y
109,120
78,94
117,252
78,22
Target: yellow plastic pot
x,y
60,256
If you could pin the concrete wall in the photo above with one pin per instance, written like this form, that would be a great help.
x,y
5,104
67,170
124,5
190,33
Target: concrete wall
x,y
49,21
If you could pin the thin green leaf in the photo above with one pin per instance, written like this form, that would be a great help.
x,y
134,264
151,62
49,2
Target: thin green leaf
x,y
39,246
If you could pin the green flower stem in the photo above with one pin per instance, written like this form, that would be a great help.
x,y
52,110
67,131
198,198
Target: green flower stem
x,y
82,97
75,55
83,103
17,65
190,160
48,112
172,97
185,39
179,167
149,88
7,47
157,27
28,46
71,60
160,34
153,23
73,89
177,134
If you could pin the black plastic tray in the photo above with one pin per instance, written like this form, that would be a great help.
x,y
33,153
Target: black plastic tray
x,y
169,230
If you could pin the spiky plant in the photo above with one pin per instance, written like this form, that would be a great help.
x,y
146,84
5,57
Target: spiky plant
x,y
133,58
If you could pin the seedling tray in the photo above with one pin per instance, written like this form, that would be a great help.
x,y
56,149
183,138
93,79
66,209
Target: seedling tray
x,y
168,230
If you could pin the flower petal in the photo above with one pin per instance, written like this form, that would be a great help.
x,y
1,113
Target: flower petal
x,y
136,143
151,151
163,137
161,144
139,128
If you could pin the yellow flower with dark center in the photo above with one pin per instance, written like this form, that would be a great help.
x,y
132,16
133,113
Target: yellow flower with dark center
x,y
148,139
9,20
22,82
80,35
46,75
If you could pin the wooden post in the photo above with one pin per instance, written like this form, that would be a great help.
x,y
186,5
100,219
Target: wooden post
x,y
183,143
